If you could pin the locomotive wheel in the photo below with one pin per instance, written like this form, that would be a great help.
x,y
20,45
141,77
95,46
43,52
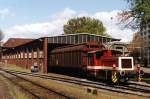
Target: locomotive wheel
x,y
114,77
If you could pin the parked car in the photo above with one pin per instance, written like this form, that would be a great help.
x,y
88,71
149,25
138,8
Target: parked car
x,y
34,68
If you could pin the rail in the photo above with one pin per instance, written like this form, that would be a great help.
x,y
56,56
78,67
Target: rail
x,y
140,90
37,95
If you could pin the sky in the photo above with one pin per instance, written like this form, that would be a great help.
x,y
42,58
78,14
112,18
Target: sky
x,y
40,18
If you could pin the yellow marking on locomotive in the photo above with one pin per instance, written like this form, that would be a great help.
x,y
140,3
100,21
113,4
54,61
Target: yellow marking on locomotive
x,y
114,77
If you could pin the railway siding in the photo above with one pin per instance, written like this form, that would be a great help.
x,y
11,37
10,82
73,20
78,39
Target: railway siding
x,y
36,90
80,83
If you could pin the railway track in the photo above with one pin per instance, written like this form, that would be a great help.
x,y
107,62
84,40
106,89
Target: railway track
x,y
36,90
131,88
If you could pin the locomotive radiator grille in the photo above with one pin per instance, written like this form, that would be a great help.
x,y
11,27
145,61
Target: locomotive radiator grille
x,y
126,63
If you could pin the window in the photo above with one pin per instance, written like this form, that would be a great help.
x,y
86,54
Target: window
x,y
21,55
7,57
25,55
126,63
85,37
35,55
80,39
90,59
72,39
98,54
91,37
30,55
141,34
68,39
41,54
63,39
97,39
148,31
50,40
59,39
55,39
18,55
149,26
119,48
144,27
148,36
2,57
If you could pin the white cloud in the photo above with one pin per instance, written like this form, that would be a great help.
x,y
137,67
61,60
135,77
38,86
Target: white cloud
x,y
55,26
67,13
110,21
5,12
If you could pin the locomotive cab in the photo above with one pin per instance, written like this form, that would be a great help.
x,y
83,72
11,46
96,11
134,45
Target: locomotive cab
x,y
94,57
110,65
91,59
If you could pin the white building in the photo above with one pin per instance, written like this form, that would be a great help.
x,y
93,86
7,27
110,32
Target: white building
x,y
145,33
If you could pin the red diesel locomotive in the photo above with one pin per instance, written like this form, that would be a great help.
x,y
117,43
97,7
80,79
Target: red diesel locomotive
x,y
94,60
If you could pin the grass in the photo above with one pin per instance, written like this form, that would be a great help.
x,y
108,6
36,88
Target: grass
x,y
82,92
17,68
74,90
15,91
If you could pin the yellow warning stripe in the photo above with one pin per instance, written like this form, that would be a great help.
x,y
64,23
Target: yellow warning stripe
x,y
114,77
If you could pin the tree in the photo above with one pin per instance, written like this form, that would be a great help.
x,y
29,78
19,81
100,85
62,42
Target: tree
x,y
85,25
136,46
1,35
139,11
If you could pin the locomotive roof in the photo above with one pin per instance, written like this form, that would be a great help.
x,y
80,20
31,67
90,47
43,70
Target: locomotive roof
x,y
102,50
76,47
116,43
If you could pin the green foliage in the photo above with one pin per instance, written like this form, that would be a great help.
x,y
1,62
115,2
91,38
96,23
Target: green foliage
x,y
140,9
139,12
1,37
85,25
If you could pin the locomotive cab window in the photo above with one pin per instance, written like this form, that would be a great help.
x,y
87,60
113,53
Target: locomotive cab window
x,y
90,59
99,54
126,63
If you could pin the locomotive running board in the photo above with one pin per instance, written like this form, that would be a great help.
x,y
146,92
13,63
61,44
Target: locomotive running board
x,y
101,67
